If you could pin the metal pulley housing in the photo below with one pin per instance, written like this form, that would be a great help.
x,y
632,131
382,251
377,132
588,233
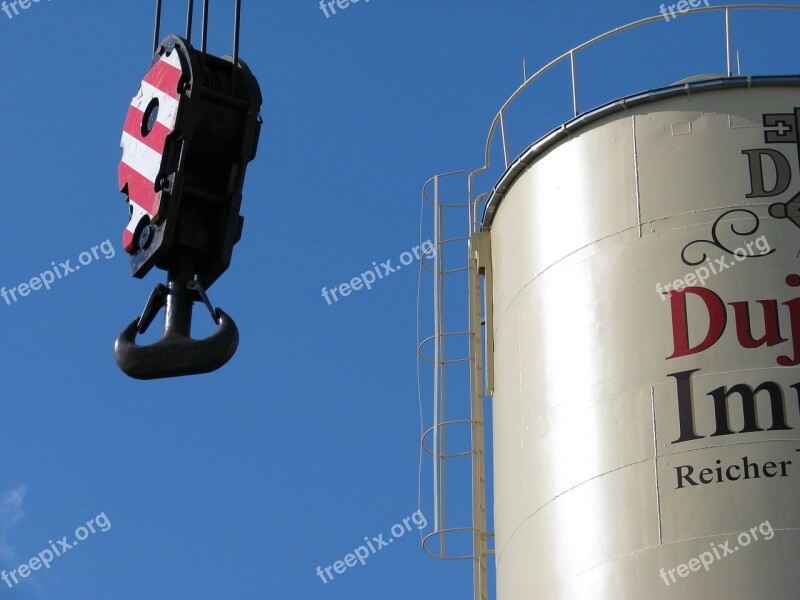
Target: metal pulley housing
x,y
189,134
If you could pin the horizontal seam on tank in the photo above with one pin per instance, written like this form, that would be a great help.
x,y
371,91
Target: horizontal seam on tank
x,y
648,548
610,235
557,496
731,445
638,462
705,537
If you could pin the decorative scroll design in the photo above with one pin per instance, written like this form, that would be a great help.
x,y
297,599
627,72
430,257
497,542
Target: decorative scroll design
x,y
715,241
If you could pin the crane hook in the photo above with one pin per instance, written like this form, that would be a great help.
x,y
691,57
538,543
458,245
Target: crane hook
x,y
176,353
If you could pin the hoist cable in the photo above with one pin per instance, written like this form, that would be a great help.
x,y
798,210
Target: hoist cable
x,y
236,23
205,27
157,26
190,12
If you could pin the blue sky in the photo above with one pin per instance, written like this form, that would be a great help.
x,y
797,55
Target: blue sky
x,y
239,483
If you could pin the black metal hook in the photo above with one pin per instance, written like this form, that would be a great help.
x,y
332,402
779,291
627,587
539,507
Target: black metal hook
x,y
176,353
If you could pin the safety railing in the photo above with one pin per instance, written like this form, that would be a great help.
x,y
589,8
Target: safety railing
x,y
499,121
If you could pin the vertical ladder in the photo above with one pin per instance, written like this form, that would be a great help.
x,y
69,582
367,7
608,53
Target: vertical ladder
x,y
457,433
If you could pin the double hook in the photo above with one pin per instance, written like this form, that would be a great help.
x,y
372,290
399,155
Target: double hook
x,y
176,353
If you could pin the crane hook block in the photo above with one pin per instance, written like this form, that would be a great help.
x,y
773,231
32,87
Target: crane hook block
x,y
189,134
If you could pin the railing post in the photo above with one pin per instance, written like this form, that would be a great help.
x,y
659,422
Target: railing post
x,y
728,41
574,83
503,136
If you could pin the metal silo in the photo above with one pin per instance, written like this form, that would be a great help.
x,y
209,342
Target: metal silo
x,y
641,327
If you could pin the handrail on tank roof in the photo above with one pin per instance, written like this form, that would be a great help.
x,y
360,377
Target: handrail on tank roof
x,y
570,54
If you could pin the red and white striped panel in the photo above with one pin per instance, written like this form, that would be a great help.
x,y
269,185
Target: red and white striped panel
x,y
142,154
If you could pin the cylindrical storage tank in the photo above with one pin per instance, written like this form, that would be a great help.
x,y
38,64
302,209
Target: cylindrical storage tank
x,y
646,336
